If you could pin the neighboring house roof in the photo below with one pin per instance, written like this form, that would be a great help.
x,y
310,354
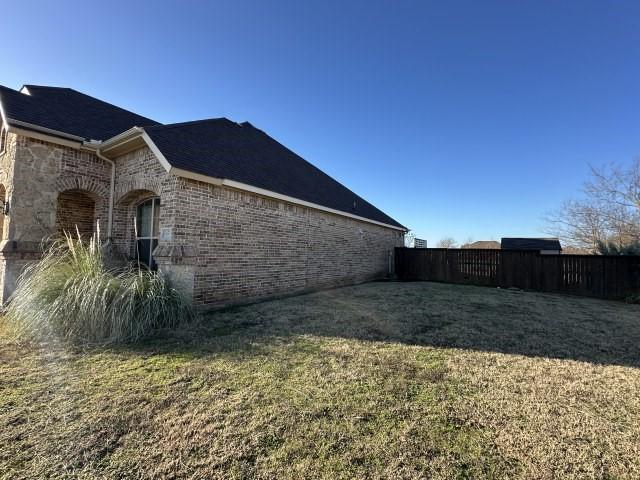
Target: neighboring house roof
x,y
217,148
483,244
224,149
531,244
66,110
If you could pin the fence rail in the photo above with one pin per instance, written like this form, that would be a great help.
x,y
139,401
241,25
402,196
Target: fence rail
x,y
614,277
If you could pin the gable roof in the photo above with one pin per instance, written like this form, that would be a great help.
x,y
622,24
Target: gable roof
x,y
217,148
240,152
483,244
531,244
68,111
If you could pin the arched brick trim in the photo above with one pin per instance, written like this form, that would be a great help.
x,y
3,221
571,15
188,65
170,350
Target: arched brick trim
x,y
139,184
87,184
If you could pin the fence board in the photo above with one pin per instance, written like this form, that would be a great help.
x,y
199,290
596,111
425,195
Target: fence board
x,y
614,277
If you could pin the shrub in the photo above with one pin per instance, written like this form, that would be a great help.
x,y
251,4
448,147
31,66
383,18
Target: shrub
x,y
73,294
611,248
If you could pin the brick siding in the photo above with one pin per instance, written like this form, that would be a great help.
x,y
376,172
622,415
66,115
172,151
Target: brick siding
x,y
242,246
250,246
75,210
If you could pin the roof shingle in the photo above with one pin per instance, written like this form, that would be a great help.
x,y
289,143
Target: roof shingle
x,y
69,111
217,148
224,149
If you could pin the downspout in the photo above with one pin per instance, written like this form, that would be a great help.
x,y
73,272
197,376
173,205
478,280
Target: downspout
x,y
112,189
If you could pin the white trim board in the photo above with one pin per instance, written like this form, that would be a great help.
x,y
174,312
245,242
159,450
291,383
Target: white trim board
x,y
304,203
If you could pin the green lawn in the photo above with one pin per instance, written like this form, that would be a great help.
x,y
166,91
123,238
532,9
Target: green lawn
x,y
382,380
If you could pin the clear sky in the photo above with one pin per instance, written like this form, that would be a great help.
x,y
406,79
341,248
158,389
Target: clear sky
x,y
457,118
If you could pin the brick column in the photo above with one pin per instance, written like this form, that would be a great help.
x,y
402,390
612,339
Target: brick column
x,y
178,263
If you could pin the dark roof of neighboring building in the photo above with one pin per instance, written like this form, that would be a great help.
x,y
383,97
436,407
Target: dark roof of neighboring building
x,y
69,111
531,244
238,151
483,244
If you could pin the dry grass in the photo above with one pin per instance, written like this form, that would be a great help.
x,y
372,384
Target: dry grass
x,y
384,380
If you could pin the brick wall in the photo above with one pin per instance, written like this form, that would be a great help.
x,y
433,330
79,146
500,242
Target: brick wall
x,y
41,172
75,211
249,246
139,176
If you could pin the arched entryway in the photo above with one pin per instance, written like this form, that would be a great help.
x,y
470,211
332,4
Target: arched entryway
x,y
75,212
147,230
136,219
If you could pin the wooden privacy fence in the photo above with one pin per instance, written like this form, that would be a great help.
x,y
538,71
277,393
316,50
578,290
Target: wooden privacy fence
x,y
614,277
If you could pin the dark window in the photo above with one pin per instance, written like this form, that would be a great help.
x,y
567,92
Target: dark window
x,y
147,227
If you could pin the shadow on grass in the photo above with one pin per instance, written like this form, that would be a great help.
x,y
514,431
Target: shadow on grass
x,y
422,313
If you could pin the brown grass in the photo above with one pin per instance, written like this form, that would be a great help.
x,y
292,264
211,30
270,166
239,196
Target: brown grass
x,y
384,380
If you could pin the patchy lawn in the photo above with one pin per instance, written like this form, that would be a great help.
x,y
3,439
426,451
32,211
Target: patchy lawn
x,y
383,380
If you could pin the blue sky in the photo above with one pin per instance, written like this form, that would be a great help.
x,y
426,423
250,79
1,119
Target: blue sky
x,y
462,118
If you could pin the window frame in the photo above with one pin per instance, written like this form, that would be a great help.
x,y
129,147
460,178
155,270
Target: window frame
x,y
150,237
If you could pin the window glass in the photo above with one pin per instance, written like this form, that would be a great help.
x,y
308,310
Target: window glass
x,y
147,224
144,219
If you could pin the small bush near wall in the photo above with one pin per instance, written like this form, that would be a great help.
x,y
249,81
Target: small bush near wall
x,y
73,295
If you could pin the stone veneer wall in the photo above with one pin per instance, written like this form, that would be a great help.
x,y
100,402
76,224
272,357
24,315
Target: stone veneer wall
x,y
43,170
248,246
33,173
7,278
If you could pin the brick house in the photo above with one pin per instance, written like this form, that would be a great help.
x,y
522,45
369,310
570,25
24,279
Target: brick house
x,y
221,207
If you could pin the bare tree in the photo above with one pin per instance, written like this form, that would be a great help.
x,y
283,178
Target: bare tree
x,y
447,242
608,214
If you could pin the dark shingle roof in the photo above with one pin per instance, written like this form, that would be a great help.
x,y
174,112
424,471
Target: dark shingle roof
x,y
217,148
531,244
69,111
224,149
483,245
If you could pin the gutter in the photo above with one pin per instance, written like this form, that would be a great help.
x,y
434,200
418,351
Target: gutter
x,y
112,190
94,147
121,138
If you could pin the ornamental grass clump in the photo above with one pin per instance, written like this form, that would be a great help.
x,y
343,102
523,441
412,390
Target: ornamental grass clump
x,y
73,294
